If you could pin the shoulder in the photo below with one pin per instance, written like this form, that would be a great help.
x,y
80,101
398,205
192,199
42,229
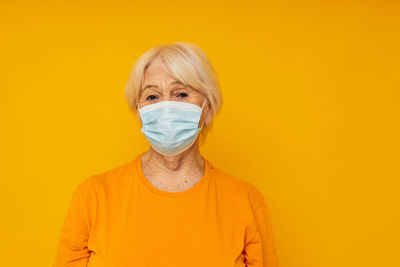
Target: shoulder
x,y
104,180
240,190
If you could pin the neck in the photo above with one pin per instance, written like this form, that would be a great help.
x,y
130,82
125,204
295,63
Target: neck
x,y
187,161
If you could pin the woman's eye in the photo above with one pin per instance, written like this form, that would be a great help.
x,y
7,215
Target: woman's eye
x,y
151,97
182,95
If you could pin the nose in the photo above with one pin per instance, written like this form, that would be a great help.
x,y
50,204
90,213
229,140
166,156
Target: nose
x,y
167,98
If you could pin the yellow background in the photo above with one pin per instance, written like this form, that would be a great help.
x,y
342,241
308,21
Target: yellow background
x,y
310,115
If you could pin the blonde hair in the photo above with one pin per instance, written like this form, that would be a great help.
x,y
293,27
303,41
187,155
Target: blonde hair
x,y
189,64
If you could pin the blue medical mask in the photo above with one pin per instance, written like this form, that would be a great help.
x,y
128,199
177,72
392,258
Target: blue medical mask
x,y
171,126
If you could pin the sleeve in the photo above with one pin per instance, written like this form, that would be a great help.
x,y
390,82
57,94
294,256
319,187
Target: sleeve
x,y
260,248
72,248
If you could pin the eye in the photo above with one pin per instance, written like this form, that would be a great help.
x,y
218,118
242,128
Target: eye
x,y
151,97
182,94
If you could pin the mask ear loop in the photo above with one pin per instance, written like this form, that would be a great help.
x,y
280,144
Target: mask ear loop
x,y
205,100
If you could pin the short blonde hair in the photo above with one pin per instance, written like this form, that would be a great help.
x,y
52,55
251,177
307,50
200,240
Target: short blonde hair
x,y
187,63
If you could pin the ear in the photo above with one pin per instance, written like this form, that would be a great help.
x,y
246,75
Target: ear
x,y
138,118
204,116
207,115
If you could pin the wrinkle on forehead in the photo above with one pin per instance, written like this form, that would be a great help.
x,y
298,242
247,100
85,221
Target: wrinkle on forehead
x,y
157,67
157,72
158,75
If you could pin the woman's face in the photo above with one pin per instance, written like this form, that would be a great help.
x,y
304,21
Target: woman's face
x,y
159,85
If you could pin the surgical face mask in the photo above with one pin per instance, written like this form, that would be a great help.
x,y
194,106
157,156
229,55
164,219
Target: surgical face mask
x,y
171,126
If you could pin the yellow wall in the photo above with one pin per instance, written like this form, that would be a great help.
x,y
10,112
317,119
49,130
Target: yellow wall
x,y
311,115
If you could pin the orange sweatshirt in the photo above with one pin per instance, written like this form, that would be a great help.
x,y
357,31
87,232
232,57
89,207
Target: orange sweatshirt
x,y
117,218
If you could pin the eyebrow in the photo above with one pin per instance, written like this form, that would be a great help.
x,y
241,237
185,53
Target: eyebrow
x,y
156,86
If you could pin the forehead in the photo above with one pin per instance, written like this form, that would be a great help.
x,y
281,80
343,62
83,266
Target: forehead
x,y
155,71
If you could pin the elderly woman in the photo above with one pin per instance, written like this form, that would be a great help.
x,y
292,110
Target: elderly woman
x,y
169,206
